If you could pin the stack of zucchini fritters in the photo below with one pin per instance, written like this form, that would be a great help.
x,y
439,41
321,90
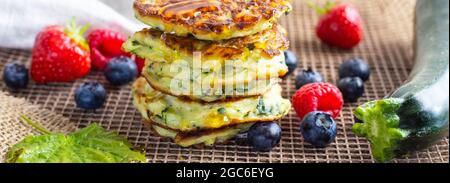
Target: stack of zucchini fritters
x,y
212,67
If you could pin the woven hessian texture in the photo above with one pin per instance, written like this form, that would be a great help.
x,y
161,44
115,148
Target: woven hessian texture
x,y
387,47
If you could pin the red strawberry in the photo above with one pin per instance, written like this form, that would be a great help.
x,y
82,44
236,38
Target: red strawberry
x,y
105,44
140,62
323,97
340,25
60,54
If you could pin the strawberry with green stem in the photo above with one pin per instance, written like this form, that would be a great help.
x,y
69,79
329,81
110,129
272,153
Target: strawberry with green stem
x,y
340,25
60,54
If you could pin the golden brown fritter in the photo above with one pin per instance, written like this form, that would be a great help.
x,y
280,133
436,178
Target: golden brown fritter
x,y
211,19
200,138
268,43
188,116
254,62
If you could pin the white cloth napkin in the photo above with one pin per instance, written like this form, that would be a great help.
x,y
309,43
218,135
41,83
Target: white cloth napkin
x,y
21,20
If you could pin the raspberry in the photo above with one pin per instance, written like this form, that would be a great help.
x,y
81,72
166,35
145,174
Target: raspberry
x,y
323,97
140,63
105,44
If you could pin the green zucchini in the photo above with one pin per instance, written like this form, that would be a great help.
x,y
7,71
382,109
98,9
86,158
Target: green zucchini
x,y
416,115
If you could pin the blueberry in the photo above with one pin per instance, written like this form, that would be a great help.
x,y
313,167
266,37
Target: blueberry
x,y
264,136
291,62
318,129
121,70
90,96
355,67
352,88
305,77
15,76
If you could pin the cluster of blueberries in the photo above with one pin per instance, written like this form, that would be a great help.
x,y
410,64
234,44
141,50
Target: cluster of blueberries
x,y
352,73
90,96
318,128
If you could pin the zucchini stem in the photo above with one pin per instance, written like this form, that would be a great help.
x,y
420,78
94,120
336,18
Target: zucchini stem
x,y
381,127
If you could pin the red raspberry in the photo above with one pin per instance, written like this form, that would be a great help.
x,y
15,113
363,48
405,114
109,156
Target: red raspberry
x,y
105,44
140,63
323,97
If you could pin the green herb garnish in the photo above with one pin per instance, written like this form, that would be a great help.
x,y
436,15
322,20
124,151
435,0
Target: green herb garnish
x,y
92,144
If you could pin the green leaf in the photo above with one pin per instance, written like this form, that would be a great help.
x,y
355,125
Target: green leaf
x,y
92,144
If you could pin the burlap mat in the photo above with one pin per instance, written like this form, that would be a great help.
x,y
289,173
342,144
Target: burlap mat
x,y
387,47
12,129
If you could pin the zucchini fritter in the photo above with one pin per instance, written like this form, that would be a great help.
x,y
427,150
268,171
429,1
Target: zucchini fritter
x,y
211,19
186,116
200,138
163,47
238,67
207,89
